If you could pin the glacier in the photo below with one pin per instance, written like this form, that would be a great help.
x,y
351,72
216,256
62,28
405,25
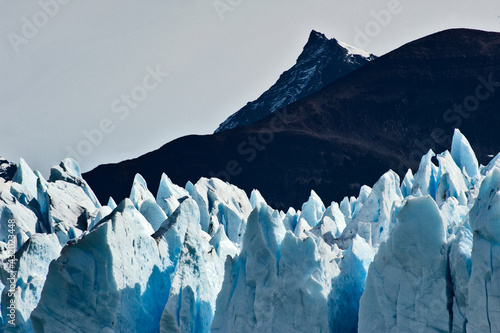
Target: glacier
x,y
415,255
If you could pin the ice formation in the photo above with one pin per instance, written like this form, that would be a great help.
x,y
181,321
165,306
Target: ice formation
x,y
417,255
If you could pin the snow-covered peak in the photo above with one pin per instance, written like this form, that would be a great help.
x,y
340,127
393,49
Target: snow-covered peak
x,y
321,62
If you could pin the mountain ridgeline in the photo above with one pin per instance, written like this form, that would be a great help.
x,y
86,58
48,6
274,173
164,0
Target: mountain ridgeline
x,y
382,116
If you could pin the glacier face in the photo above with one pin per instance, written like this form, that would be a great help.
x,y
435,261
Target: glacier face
x,y
417,255
406,288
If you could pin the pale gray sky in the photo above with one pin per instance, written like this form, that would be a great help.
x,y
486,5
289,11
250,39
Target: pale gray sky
x,y
89,77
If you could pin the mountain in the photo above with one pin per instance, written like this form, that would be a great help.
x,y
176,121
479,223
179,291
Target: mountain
x,y
382,116
413,255
321,62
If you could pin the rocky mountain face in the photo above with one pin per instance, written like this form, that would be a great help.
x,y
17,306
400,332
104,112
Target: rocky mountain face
x,y
7,169
382,116
321,62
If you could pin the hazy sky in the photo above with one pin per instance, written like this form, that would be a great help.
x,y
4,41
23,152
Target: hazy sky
x,y
110,80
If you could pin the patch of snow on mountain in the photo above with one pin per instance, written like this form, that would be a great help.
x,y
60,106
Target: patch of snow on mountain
x,y
354,50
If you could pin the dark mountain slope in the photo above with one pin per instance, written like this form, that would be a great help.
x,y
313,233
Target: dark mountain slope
x,y
384,115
